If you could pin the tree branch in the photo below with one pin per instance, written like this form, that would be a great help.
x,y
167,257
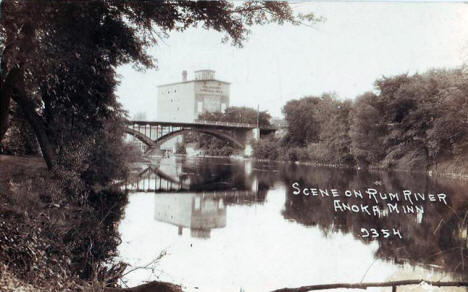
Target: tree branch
x,y
372,284
147,266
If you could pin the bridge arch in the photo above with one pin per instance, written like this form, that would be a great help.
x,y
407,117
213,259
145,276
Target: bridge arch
x,y
154,143
217,134
140,136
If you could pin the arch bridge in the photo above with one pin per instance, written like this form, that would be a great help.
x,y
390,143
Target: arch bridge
x,y
155,133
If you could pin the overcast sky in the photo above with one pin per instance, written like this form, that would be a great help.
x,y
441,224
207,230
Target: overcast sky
x,y
358,43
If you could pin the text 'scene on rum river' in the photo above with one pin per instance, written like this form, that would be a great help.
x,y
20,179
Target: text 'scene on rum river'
x,y
372,202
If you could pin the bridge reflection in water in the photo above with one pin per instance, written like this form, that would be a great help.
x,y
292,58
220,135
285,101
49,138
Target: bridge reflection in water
x,y
154,180
178,203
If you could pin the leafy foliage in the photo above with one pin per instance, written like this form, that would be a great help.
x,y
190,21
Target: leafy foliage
x,y
367,130
180,148
45,236
425,114
410,122
238,115
305,118
267,148
217,147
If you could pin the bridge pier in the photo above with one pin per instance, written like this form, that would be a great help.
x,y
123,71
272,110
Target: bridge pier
x,y
249,136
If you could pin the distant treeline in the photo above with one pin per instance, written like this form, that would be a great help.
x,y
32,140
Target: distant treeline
x,y
417,122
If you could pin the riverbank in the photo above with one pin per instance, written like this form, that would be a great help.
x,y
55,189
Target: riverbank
x,y
454,169
50,242
13,168
26,261
46,243
449,168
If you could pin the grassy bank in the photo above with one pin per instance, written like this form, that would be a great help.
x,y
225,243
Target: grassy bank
x,y
46,239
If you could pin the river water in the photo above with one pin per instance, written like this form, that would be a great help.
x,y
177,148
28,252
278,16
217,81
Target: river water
x,y
226,225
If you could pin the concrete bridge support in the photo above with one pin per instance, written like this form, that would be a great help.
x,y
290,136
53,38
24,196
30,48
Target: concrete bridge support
x,y
250,137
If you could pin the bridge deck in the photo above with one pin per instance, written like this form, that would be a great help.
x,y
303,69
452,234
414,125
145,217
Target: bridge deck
x,y
204,124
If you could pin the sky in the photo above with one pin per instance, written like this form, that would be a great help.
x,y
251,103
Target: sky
x,y
358,43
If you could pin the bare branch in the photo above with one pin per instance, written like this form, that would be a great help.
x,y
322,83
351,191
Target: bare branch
x,y
149,265
372,284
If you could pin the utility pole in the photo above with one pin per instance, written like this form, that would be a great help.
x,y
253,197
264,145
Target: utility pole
x,y
257,130
258,115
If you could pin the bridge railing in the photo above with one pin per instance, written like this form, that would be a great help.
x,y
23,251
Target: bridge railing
x,y
232,124
204,122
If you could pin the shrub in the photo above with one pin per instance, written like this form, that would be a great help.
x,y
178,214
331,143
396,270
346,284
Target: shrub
x,y
180,148
268,148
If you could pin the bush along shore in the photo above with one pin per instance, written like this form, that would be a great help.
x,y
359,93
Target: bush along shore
x,y
49,242
415,123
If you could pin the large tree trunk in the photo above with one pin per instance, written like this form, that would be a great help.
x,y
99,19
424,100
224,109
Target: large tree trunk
x,y
47,148
5,97
4,112
14,84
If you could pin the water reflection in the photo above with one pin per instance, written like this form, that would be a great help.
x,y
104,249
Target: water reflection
x,y
194,196
197,212
437,237
193,175
153,179
247,213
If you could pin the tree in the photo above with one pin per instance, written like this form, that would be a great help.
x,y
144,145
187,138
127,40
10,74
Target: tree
x,y
426,114
335,137
305,118
20,139
238,115
367,130
412,121
267,148
214,146
59,57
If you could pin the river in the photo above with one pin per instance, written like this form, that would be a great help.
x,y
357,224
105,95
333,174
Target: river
x,y
230,225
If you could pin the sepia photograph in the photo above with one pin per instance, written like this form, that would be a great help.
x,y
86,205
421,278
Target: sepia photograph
x,y
233,146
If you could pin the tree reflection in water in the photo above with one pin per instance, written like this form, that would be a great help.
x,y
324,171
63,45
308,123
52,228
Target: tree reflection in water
x,y
437,238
